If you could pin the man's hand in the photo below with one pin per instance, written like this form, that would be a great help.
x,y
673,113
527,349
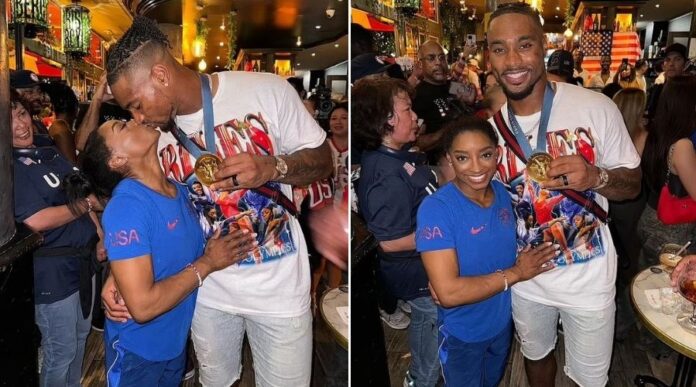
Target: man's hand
x,y
244,170
579,174
114,306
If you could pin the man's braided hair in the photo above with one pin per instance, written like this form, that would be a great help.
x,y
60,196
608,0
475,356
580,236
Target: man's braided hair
x,y
128,52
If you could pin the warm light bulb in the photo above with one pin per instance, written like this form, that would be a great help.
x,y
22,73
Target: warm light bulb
x,y
568,33
202,65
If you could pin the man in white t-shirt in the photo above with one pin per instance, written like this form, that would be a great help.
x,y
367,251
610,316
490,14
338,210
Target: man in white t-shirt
x,y
592,154
266,138
604,76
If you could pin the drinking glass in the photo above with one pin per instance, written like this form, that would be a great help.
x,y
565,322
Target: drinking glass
x,y
687,288
668,256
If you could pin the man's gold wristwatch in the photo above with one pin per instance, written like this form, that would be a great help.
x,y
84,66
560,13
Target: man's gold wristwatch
x,y
603,179
282,168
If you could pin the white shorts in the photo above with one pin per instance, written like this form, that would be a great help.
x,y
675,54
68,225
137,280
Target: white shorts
x,y
281,347
588,337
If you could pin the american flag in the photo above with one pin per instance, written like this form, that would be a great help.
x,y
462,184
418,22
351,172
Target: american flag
x,y
617,44
409,168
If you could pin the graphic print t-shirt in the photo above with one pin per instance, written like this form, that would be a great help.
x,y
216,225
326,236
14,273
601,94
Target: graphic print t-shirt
x,y
259,114
589,124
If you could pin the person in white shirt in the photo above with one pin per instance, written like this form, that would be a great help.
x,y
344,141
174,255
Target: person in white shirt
x,y
578,57
593,161
604,77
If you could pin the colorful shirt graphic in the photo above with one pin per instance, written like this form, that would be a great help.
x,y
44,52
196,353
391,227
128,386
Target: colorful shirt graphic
x,y
241,209
588,124
548,216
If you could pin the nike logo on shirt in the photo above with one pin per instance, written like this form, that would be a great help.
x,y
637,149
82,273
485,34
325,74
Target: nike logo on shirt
x,y
172,225
477,230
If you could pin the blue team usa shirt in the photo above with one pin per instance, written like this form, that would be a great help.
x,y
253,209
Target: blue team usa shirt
x,y
138,221
484,240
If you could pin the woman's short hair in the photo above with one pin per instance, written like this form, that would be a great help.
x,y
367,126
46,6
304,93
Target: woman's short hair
x,y
372,105
467,124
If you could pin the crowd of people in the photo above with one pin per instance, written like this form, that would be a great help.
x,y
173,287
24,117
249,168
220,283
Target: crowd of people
x,y
194,254
507,200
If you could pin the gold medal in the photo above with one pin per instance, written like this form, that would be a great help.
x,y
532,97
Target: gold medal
x,y
538,165
205,168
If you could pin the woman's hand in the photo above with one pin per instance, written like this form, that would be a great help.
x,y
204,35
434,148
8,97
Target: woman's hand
x,y
100,250
114,306
533,261
223,251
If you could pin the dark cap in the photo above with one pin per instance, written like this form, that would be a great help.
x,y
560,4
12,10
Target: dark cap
x,y
23,79
369,64
676,47
560,63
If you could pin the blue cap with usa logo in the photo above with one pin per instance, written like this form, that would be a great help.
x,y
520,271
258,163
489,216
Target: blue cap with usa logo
x,y
23,79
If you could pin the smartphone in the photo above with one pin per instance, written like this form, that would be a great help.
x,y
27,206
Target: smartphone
x,y
470,40
624,64
457,88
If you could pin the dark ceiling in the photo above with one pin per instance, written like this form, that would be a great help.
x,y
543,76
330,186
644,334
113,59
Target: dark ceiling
x,y
261,24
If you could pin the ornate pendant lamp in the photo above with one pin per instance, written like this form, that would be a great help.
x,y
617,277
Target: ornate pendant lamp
x,y
76,30
407,8
33,14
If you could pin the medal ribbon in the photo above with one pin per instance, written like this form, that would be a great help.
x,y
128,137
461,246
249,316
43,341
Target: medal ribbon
x,y
208,124
543,125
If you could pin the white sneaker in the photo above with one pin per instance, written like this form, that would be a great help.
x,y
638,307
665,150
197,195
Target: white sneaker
x,y
396,320
408,381
405,306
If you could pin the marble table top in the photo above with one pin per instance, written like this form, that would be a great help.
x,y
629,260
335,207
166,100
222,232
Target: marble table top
x,y
663,326
334,310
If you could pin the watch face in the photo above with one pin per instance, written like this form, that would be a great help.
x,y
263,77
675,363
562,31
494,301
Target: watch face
x,y
281,166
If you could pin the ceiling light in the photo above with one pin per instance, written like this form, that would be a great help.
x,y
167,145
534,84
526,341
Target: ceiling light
x,y
558,8
297,64
336,45
641,15
657,5
202,65
299,41
317,26
314,54
222,44
217,57
222,27
556,16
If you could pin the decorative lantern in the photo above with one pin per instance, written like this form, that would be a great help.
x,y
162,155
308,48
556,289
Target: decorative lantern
x,y
407,8
32,13
76,30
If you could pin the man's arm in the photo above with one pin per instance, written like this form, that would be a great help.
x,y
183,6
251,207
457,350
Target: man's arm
x,y
250,171
624,183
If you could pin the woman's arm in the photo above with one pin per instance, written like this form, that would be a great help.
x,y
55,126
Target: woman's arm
x,y
406,243
147,299
52,217
684,165
453,290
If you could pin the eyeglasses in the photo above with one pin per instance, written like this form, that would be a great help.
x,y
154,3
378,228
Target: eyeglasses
x,y
431,58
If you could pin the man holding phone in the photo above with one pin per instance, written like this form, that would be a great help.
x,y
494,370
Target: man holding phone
x,y
438,99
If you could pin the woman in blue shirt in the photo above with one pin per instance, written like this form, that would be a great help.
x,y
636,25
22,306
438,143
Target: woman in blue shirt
x,y
466,237
157,254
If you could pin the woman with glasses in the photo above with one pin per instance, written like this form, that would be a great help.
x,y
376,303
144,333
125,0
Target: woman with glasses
x,y
393,182
63,264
